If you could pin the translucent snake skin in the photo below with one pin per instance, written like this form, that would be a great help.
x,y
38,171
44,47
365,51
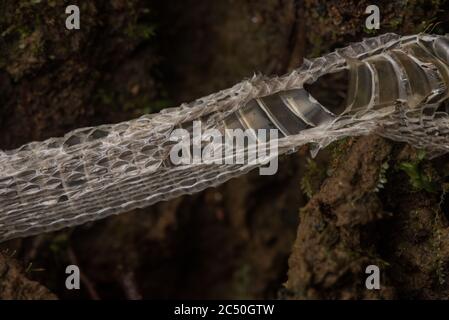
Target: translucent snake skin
x,y
396,86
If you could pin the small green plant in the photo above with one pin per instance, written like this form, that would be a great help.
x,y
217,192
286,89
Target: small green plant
x,y
382,176
419,179
30,268
371,32
140,31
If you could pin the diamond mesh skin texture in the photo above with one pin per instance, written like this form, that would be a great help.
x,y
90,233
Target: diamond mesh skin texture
x,y
395,89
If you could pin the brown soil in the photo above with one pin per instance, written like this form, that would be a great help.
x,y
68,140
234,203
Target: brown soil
x,y
14,283
351,224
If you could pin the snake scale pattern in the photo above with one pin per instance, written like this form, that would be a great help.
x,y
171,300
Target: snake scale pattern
x,y
397,87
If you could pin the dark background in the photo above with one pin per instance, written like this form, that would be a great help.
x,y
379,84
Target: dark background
x,y
236,241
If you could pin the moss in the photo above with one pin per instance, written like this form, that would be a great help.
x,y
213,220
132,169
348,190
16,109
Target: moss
x,y
337,23
395,23
142,27
371,32
419,178
337,150
313,178
140,31
23,34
